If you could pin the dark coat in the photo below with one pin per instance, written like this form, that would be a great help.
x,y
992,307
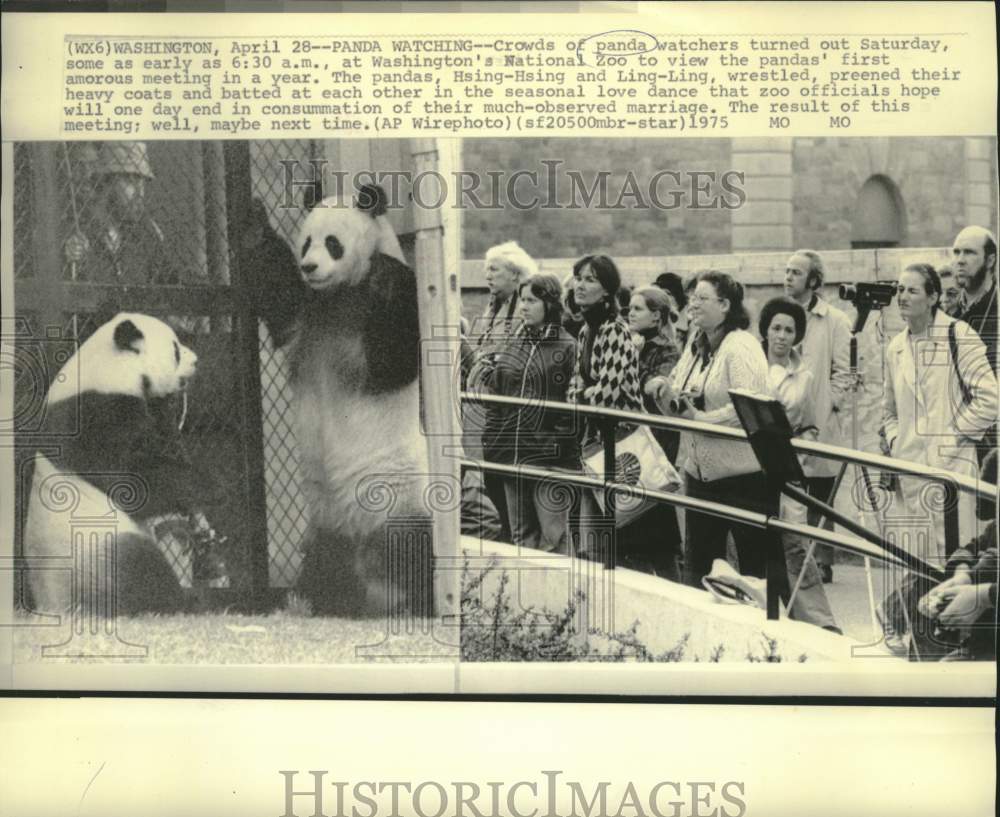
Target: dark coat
x,y
982,317
657,358
127,254
535,368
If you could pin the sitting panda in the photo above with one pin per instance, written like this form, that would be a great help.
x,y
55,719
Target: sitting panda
x,y
120,463
353,366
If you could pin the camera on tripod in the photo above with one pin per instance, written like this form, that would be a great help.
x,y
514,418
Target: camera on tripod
x,y
872,296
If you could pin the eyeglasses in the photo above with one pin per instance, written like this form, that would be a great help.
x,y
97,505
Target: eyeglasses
x,y
700,299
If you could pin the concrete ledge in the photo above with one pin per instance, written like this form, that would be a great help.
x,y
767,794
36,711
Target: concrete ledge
x,y
666,612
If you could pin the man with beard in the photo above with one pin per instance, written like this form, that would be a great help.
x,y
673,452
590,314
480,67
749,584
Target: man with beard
x,y
825,351
974,259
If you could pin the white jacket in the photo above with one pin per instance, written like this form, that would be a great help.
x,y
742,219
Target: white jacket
x,y
926,419
826,352
739,363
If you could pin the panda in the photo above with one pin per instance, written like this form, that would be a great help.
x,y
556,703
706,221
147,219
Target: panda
x,y
120,462
353,354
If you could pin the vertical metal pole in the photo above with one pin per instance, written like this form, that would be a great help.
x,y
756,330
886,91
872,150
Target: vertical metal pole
x,y
608,427
951,532
247,348
775,572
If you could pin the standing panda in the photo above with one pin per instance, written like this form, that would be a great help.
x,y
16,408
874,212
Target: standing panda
x,y
353,365
120,463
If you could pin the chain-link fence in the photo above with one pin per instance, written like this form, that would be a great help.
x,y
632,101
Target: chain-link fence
x,y
162,228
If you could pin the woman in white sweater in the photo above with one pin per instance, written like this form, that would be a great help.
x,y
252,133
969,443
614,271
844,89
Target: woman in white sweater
x,y
722,356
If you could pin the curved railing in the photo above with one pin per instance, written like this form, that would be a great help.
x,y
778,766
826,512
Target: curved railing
x,y
862,542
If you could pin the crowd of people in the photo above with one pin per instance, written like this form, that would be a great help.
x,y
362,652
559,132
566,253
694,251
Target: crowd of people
x,y
677,348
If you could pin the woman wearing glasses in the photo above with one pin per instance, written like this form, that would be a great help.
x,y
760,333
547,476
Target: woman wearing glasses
x,y
723,356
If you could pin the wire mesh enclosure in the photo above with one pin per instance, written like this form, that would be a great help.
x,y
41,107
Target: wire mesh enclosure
x,y
167,229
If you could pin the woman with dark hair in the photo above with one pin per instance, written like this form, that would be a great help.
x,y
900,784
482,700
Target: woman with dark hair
x,y
572,320
607,365
723,356
782,325
940,397
536,363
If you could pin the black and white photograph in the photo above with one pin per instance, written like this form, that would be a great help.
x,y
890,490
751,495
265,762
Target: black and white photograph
x,y
221,455
448,408
682,416
677,278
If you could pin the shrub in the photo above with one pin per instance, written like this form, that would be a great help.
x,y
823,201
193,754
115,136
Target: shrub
x,y
493,630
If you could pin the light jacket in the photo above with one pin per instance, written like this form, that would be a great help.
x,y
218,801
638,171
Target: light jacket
x,y
925,417
826,352
792,385
738,363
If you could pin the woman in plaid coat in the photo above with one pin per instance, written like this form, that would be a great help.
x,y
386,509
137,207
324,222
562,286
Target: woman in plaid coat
x,y
607,361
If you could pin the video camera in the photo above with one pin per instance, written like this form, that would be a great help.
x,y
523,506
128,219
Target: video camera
x,y
872,296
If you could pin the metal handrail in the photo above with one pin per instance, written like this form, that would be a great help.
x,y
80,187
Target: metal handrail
x,y
903,467
853,544
609,418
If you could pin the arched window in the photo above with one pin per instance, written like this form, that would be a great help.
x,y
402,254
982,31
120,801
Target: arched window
x,y
879,220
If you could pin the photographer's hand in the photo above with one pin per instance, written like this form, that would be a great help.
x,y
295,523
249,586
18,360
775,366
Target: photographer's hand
x,y
967,603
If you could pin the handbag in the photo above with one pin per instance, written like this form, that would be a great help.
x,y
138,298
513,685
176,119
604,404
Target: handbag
x,y
640,462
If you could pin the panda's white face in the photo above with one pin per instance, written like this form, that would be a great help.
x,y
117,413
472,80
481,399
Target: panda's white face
x,y
131,354
336,243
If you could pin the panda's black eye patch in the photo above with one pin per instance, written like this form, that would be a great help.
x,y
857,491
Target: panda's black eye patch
x,y
306,246
334,247
177,354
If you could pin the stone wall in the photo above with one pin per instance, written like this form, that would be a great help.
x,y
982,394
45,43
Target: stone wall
x,y
929,173
800,192
563,231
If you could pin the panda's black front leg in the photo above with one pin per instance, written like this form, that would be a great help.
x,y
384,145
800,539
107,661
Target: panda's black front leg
x,y
392,327
270,272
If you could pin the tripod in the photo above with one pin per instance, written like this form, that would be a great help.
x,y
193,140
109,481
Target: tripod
x,y
864,307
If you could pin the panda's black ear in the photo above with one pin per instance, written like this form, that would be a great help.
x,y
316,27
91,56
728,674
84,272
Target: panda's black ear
x,y
127,336
372,200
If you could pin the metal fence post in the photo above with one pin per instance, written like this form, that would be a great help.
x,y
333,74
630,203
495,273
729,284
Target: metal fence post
x,y
951,532
608,428
247,350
